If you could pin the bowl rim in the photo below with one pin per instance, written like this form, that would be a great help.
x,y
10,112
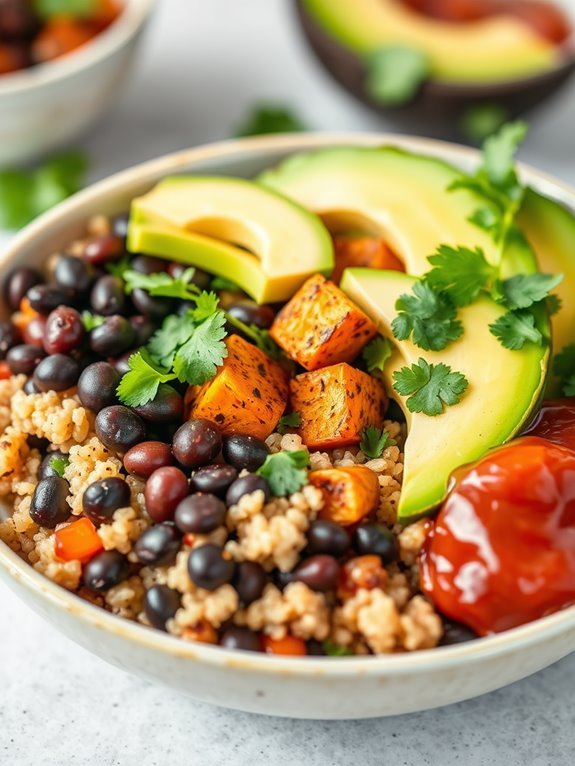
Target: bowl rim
x,y
12,567
132,16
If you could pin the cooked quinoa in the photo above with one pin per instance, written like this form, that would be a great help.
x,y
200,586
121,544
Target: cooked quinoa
x,y
375,606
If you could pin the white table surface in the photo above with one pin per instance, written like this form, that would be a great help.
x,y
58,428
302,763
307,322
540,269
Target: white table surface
x,y
203,65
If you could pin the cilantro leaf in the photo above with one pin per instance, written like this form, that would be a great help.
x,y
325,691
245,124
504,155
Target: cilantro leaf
x,y
270,118
162,284
516,328
460,273
524,290
120,267
481,120
46,9
91,321
59,465
554,304
429,317
564,368
196,360
499,154
487,219
374,441
332,649
221,283
173,333
292,420
285,472
206,305
140,384
376,353
430,386
395,74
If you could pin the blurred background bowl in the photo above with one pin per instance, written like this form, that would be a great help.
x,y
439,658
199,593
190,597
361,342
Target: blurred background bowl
x,y
44,107
439,110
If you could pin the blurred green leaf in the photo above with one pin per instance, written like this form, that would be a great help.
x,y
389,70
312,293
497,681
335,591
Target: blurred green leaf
x,y
395,74
270,118
48,8
482,120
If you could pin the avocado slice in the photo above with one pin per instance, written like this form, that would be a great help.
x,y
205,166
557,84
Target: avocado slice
x,y
234,228
504,389
550,229
493,49
398,196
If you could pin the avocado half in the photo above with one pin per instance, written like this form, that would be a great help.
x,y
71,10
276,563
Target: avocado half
x,y
504,389
517,78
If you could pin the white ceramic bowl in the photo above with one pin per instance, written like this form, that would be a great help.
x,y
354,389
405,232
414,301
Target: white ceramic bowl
x,y
306,687
44,107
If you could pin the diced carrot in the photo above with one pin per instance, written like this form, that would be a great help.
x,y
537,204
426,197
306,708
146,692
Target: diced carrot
x,y
5,371
78,541
363,252
320,325
59,36
248,394
288,645
202,632
335,405
350,492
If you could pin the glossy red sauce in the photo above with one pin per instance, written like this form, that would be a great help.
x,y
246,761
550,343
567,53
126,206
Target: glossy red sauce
x,y
502,549
546,18
556,422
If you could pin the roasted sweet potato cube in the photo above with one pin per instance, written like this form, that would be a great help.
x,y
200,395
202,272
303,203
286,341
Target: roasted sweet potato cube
x,y
335,404
349,493
363,252
248,394
321,326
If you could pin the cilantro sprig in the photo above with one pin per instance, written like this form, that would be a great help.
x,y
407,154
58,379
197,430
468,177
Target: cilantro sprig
x,y
331,649
430,387
376,353
59,464
140,384
428,317
291,420
270,118
395,74
285,472
374,441
460,273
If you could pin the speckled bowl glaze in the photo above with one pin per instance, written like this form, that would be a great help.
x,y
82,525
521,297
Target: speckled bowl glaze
x,y
44,107
324,688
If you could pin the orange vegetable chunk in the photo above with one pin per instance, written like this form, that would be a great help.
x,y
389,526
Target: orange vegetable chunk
x,y
78,541
288,645
363,252
320,325
349,492
335,405
248,394
59,36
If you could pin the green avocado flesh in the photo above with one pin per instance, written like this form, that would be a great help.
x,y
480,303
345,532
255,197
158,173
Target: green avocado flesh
x,y
504,389
550,229
494,49
394,195
237,229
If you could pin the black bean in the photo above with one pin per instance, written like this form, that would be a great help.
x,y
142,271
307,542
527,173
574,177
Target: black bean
x,y
165,489
56,372
250,313
196,443
148,264
30,387
45,298
324,536
208,568
160,605
375,539
143,327
114,336
200,514
249,581
64,331
245,485
145,458
97,386
119,428
315,648
245,639
201,278
107,296
17,20
158,545
9,337
215,479
17,284
104,248
49,506
151,305
103,497
105,570
166,407
455,633
23,359
319,572
245,452
45,470
74,274
122,363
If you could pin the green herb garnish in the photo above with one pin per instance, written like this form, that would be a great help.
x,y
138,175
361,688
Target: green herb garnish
x,y
376,353
285,472
46,9
374,441
91,321
395,74
140,385
332,649
564,368
270,118
430,387
524,290
516,328
482,120
430,318
292,420
59,465
221,283
459,273
261,338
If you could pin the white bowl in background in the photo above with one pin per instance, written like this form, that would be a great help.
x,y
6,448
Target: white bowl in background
x,y
324,688
43,107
